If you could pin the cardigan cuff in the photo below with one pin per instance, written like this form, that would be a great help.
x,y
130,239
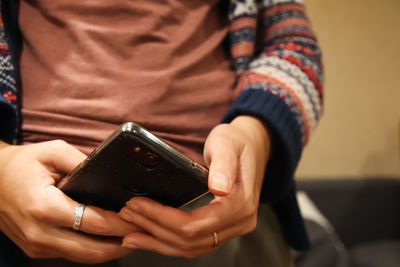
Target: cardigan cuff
x,y
8,121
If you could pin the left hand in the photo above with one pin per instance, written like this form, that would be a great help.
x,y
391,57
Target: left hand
x,y
236,154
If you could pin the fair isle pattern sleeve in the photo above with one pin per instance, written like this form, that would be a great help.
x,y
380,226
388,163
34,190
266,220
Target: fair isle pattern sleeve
x,y
279,80
8,90
284,59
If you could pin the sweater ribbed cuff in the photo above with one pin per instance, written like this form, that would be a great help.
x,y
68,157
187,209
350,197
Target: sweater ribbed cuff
x,y
8,121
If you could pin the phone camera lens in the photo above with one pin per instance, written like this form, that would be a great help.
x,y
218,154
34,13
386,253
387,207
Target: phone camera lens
x,y
150,157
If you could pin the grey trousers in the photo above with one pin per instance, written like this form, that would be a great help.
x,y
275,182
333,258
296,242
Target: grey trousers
x,y
263,247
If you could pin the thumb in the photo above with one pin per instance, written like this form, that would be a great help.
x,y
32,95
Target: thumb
x,y
61,155
222,155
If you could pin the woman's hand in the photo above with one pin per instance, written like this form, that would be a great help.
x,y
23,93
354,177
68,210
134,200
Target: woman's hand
x,y
236,154
38,217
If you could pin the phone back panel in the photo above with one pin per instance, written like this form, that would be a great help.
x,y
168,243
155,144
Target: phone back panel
x,y
130,164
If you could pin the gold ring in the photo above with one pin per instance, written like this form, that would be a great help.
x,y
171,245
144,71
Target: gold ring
x,y
215,240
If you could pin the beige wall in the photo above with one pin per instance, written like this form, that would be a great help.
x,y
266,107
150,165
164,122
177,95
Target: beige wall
x,y
359,134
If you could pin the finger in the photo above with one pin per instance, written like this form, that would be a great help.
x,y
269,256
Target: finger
x,y
171,217
185,241
16,235
190,247
60,155
222,155
87,249
161,232
9,228
214,216
148,242
106,223
47,241
97,221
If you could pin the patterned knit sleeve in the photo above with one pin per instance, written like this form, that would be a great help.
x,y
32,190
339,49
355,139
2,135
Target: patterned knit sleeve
x,y
279,80
8,93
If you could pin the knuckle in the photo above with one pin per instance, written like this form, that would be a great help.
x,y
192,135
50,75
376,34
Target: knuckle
x,y
29,235
221,130
98,224
249,210
32,253
38,212
33,237
189,231
98,256
99,228
58,143
185,246
191,255
251,226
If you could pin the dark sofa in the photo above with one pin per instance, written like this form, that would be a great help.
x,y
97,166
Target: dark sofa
x,y
365,215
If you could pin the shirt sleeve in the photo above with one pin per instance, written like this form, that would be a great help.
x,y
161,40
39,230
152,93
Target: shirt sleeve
x,y
279,80
8,93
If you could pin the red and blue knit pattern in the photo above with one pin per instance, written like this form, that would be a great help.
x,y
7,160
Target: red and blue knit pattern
x,y
7,75
275,50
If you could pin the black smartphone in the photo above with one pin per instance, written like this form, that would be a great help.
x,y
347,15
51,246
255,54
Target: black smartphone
x,y
134,162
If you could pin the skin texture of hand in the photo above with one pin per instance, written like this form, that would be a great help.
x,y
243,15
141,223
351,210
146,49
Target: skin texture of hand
x,y
236,154
38,217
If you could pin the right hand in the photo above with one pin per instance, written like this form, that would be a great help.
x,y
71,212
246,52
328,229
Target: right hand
x,y
38,217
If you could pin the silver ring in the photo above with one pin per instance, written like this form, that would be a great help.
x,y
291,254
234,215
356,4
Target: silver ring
x,y
78,216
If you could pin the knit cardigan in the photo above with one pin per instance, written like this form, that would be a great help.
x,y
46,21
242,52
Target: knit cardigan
x,y
279,80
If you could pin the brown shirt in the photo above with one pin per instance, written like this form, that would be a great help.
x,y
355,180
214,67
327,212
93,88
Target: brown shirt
x,y
88,66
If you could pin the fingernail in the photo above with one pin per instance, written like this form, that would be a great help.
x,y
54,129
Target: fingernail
x,y
219,182
133,206
127,244
126,213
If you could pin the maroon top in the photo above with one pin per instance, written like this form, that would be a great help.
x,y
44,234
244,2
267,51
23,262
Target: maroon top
x,y
88,66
